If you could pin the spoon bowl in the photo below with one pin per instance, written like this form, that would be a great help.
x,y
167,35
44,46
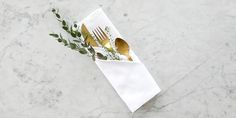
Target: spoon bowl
x,y
122,47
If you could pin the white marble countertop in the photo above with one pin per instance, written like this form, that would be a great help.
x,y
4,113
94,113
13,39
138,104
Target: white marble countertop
x,y
189,46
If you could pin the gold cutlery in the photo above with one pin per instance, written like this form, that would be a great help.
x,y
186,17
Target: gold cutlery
x,y
102,38
123,48
87,36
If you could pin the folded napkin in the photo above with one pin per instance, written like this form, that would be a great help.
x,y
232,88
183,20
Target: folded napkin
x,y
130,79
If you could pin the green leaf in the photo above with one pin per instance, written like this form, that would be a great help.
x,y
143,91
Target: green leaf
x,y
61,36
77,41
71,30
53,10
65,42
64,22
57,15
65,28
83,51
78,34
73,34
100,56
73,45
54,35
91,50
93,57
84,44
59,40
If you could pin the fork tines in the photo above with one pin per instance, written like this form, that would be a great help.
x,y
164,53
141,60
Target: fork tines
x,y
100,34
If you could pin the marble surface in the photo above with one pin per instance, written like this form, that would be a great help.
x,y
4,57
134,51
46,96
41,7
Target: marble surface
x,y
189,46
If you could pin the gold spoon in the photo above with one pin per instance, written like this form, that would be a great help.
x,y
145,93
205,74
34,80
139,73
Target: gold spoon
x,y
123,48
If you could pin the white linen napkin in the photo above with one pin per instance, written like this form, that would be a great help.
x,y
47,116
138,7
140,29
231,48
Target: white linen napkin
x,y
130,79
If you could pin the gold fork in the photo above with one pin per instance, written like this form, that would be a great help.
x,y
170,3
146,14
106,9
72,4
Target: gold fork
x,y
102,38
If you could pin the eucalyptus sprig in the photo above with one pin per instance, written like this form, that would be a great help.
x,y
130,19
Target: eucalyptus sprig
x,y
78,43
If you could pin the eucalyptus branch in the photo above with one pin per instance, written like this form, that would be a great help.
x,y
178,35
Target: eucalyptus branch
x,y
78,43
